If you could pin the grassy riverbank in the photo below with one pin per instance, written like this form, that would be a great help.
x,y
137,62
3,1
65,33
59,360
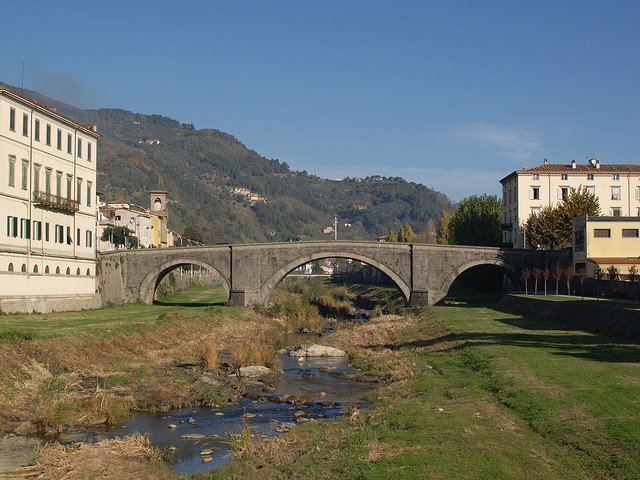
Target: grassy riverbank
x,y
473,393
468,392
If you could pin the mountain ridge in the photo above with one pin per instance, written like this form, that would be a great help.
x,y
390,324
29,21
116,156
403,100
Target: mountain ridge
x,y
199,168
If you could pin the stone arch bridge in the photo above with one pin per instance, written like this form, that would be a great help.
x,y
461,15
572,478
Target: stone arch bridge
x,y
250,272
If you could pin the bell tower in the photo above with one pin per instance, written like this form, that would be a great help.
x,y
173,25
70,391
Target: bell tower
x,y
158,201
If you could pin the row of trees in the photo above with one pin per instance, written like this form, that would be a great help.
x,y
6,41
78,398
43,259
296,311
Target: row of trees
x,y
560,272
552,226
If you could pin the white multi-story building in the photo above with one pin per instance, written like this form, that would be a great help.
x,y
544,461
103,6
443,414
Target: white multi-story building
x,y
49,205
527,191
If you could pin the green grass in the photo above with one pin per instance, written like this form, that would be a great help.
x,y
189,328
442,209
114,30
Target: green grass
x,y
127,319
521,398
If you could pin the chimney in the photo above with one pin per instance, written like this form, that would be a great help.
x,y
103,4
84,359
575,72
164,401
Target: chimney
x,y
53,109
35,101
545,161
597,164
573,163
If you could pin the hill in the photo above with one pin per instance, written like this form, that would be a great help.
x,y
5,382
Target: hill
x,y
200,168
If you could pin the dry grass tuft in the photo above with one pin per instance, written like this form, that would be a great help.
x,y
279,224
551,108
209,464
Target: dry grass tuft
x,y
209,356
124,457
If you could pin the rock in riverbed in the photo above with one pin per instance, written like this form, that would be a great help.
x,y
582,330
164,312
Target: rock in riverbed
x,y
316,350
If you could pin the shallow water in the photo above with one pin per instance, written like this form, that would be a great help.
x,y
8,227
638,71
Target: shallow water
x,y
216,425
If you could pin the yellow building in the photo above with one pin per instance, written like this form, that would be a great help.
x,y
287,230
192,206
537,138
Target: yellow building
x,y
49,207
600,242
527,191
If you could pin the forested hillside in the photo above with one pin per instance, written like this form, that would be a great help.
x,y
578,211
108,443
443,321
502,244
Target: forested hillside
x,y
200,167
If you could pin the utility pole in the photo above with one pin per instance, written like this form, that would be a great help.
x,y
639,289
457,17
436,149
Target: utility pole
x,y
335,227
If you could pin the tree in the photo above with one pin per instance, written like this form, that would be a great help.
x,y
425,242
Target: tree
x,y
391,236
526,273
406,235
120,237
582,274
443,233
536,274
552,226
557,275
478,221
568,273
545,274
613,276
633,277
193,232
578,202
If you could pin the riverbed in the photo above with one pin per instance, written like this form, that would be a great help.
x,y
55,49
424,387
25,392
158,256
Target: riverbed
x,y
322,380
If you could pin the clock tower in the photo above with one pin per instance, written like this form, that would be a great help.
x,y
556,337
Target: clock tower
x,y
158,200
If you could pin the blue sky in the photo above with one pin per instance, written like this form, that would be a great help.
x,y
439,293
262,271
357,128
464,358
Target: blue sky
x,y
454,95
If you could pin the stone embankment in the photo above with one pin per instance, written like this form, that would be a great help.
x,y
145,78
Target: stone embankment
x,y
605,318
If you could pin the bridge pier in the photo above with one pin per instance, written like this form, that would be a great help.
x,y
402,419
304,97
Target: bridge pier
x,y
419,299
244,298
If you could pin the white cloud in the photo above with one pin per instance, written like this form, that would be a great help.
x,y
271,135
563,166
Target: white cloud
x,y
518,144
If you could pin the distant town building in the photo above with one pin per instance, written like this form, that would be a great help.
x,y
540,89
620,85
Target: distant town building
x,y
48,201
527,191
600,242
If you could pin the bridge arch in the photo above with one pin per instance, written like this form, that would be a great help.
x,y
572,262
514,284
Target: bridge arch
x,y
272,282
456,272
154,277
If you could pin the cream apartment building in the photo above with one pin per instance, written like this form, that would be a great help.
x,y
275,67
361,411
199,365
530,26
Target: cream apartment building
x,y
528,190
49,208
600,242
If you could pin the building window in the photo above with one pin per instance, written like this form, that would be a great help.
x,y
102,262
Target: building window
x,y
69,143
89,151
591,190
59,184
589,176
36,178
78,237
78,271
79,190
602,233
578,240
48,135
57,270
68,271
629,233
47,181
25,228
25,124
563,192
46,269
88,241
509,196
615,193
59,140
637,193
535,211
25,174
12,119
564,176
35,269
534,193
615,212
79,148
37,230
12,171
46,231
616,176
535,176
69,237
24,268
36,130
88,272
59,234
69,186
89,185
12,227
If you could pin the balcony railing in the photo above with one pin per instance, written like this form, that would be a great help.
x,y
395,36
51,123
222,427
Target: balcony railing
x,y
56,202
507,226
